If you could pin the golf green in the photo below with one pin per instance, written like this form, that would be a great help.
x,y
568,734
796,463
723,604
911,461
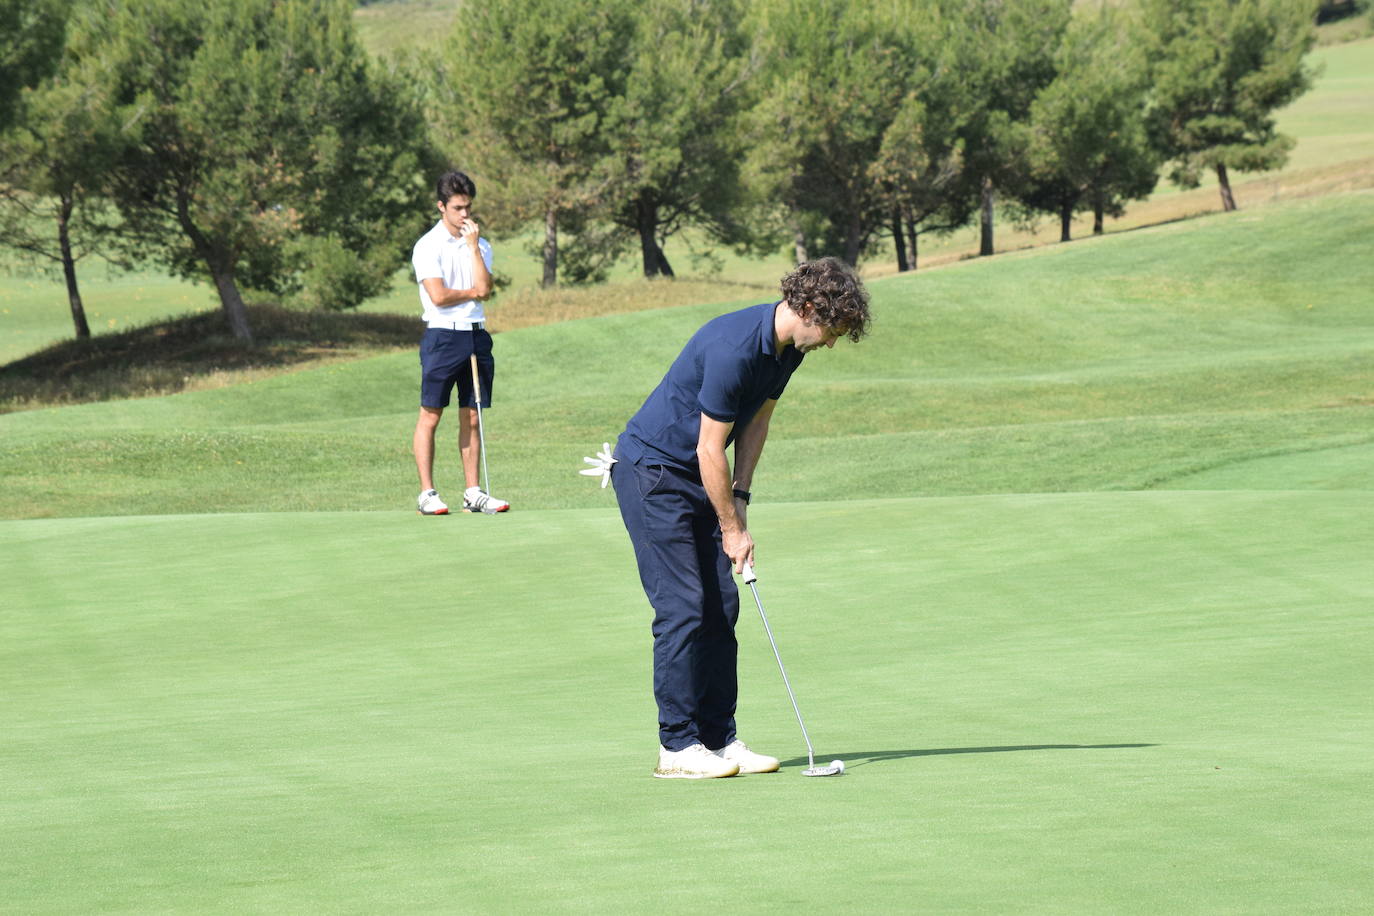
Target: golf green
x,y
1147,702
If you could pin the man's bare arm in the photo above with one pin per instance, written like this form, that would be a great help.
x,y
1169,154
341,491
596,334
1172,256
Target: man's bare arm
x,y
717,481
749,445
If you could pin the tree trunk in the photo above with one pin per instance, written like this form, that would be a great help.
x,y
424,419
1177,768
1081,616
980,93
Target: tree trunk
x,y
899,240
910,239
550,248
646,222
985,220
664,267
1228,201
798,240
232,303
1099,206
64,240
1066,222
221,266
853,240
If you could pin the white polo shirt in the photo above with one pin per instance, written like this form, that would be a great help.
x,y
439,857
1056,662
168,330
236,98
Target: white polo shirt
x,y
440,255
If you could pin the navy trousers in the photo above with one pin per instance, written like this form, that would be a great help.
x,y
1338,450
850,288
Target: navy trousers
x,y
688,579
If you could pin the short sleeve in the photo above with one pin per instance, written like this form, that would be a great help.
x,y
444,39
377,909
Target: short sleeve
x,y
426,261
722,385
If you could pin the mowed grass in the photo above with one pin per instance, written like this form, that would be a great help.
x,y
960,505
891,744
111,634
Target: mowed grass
x,y
34,311
1111,702
1051,697
1128,362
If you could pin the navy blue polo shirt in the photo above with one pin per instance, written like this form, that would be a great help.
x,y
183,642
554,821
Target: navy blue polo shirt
x,y
727,371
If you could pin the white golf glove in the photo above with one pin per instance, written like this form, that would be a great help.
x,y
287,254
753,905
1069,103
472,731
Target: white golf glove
x,y
600,465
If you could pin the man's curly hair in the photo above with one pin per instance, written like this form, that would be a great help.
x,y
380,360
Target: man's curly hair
x,y
836,296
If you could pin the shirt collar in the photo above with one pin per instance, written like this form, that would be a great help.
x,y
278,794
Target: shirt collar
x,y
767,336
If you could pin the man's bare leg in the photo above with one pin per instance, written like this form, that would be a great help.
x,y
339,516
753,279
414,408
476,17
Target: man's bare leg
x,y
469,442
423,445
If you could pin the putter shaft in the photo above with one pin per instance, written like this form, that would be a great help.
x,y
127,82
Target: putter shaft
x,y
481,434
750,578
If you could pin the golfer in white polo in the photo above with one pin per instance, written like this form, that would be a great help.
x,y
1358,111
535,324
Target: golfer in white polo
x,y
453,268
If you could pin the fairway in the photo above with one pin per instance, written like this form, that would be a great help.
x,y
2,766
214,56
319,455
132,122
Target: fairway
x,y
1133,702
1069,562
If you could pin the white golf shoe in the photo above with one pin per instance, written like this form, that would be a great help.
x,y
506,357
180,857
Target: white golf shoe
x,y
692,762
738,753
474,500
429,503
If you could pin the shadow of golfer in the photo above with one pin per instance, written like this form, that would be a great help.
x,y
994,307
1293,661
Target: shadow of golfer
x,y
860,758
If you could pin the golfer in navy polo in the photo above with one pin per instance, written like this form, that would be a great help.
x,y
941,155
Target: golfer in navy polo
x,y
685,507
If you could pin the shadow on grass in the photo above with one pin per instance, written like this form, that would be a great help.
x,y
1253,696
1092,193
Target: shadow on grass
x,y
194,351
860,758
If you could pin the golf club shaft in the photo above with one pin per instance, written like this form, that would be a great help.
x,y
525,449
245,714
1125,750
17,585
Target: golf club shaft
x,y
481,434
810,754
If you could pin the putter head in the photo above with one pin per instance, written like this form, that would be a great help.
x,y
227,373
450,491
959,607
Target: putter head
x,y
835,768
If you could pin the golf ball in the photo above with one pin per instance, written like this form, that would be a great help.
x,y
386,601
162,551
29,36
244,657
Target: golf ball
x,y
838,764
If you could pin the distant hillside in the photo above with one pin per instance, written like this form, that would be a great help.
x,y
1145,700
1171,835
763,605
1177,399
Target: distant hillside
x,y
396,26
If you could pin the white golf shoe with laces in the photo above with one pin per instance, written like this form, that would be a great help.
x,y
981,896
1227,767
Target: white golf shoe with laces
x,y
429,503
692,762
738,753
475,500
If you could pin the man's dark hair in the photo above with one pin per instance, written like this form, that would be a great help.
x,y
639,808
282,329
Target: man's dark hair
x,y
832,289
451,183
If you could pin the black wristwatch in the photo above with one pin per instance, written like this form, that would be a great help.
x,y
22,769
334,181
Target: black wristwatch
x,y
742,494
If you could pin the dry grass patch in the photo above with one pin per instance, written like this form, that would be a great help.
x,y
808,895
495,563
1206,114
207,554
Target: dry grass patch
x,y
528,307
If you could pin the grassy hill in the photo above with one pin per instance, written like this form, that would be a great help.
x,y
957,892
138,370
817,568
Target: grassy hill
x,y
1127,362
1331,123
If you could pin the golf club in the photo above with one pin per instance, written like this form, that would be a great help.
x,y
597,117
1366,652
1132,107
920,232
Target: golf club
x,y
481,434
836,767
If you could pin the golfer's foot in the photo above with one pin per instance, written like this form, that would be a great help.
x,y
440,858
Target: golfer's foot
x,y
429,503
738,753
692,762
474,500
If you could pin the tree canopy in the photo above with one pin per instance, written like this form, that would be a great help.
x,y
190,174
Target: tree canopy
x,y
31,34
1220,70
254,144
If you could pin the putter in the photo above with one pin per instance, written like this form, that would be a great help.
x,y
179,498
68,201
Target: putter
x,y
836,767
481,434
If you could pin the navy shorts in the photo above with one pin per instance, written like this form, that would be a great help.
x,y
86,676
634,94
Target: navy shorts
x,y
446,360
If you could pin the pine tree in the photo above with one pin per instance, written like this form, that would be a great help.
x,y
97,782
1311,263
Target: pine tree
x,y
1220,69
1087,146
254,145
524,105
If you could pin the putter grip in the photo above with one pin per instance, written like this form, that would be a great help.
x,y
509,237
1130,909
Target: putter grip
x,y
749,576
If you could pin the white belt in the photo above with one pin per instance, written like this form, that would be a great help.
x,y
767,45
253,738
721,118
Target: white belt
x,y
456,325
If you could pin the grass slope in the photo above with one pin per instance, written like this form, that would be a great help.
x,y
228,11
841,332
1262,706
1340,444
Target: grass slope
x,y
1144,702
1331,124
1123,363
